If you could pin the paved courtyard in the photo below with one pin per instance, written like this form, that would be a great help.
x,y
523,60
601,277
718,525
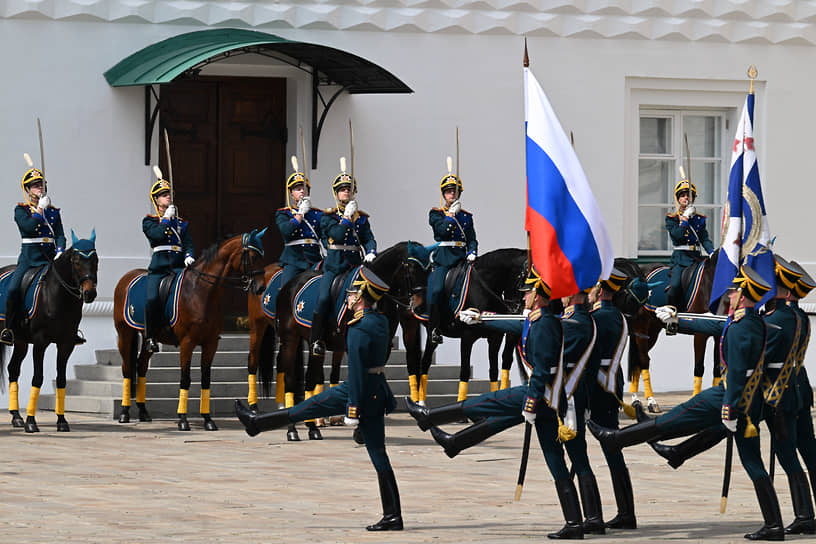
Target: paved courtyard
x,y
147,482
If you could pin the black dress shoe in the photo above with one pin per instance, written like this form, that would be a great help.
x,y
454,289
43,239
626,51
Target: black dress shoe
x,y
436,337
387,523
152,346
319,348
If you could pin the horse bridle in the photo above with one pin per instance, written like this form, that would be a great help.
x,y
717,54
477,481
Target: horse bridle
x,y
242,282
75,291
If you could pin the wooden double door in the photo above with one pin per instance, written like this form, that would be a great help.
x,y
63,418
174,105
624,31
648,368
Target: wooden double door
x,y
228,145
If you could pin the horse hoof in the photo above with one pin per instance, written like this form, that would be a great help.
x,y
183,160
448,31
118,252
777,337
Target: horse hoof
x,y
31,425
209,425
292,436
357,436
124,417
183,425
421,403
16,419
314,434
652,406
144,415
254,408
634,398
62,425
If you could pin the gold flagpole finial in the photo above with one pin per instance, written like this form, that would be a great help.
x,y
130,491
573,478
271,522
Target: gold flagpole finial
x,y
752,74
526,57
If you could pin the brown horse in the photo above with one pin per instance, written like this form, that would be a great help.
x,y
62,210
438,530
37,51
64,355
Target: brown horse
x,y
228,263
644,327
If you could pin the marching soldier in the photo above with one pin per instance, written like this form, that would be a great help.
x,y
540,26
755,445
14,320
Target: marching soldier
x,y
365,397
299,225
350,242
687,230
453,230
40,226
540,348
172,248
606,385
731,402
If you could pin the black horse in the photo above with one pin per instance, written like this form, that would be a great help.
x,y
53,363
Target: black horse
x,y
403,266
68,283
494,286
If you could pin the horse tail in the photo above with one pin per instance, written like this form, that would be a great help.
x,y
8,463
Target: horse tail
x,y
266,360
633,370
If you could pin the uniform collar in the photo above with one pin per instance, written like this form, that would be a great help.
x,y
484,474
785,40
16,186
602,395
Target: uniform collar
x,y
792,303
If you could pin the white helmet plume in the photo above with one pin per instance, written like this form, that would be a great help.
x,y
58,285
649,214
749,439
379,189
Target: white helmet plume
x,y
342,164
450,166
295,163
28,160
158,172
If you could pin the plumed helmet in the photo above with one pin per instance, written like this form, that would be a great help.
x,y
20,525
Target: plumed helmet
x,y
158,188
450,179
344,178
32,175
297,176
685,185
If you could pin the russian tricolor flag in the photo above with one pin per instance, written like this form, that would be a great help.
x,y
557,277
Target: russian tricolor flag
x,y
569,242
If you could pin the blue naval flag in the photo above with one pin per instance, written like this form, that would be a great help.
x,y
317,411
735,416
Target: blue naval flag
x,y
746,236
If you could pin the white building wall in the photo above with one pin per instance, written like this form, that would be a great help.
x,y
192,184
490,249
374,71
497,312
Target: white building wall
x,y
465,70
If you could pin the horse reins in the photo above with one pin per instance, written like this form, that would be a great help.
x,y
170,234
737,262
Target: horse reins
x,y
243,282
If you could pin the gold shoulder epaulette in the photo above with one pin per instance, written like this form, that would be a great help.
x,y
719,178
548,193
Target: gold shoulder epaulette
x,y
534,315
701,215
152,215
739,314
438,209
597,305
329,210
672,214
362,213
568,311
283,209
358,315
465,211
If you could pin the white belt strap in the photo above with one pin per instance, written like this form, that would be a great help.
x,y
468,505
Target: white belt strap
x,y
43,240
749,372
686,248
607,379
575,375
342,247
552,393
774,365
177,249
451,244
606,362
302,242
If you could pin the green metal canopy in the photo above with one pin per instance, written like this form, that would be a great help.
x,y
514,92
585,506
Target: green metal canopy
x,y
185,55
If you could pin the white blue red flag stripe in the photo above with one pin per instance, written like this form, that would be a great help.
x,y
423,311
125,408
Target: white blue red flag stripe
x,y
570,245
746,234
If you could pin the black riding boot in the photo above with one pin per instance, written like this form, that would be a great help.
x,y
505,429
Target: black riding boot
x,y
257,423
12,320
628,436
151,328
432,417
685,450
389,496
568,497
318,334
434,318
769,505
591,500
622,485
470,436
804,523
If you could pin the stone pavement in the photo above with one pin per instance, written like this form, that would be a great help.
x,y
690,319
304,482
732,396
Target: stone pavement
x,y
147,482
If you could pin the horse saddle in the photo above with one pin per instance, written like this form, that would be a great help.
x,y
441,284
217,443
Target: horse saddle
x,y
456,284
30,285
269,299
659,280
304,302
136,299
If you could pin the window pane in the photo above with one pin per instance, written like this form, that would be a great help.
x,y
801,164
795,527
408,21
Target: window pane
x,y
704,135
653,175
706,176
652,229
655,135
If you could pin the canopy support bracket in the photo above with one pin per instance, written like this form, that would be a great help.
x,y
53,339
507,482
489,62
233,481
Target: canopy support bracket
x,y
150,119
317,125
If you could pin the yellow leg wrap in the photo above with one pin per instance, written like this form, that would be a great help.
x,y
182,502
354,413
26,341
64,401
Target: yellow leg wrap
x,y
252,397
205,402
33,399
125,391
280,388
463,388
423,387
60,409
184,394
318,389
290,400
141,389
14,404
505,379
698,385
634,384
647,383
716,382
307,395
494,386
413,385
333,384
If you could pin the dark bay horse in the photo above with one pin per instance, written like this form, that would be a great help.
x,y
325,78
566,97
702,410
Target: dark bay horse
x,y
261,342
403,266
67,284
644,327
494,287
228,263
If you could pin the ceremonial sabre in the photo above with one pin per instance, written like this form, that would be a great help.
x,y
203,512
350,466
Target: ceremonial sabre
x,y
525,454
729,456
42,156
169,168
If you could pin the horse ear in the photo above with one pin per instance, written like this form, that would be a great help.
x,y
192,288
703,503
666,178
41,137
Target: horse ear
x,y
74,239
93,235
261,234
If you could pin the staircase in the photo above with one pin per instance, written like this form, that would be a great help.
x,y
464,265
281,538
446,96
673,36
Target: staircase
x,y
98,386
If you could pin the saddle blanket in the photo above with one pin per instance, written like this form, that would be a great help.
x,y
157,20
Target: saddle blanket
x,y
136,299
269,299
305,300
458,294
32,295
660,278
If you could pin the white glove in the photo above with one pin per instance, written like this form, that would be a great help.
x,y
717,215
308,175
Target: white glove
x,y
689,212
170,212
730,424
470,317
529,417
471,257
45,202
455,207
666,314
526,312
304,206
350,421
188,260
571,419
57,256
369,257
351,207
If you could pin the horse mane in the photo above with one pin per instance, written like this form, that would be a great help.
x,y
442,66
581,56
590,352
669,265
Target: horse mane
x,y
209,254
500,258
389,257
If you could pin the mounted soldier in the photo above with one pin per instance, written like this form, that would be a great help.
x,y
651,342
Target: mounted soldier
x,y
299,225
453,230
40,226
172,248
687,230
350,242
